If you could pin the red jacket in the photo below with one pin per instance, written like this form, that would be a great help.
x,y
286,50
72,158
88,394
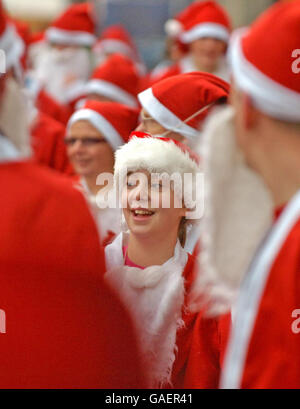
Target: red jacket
x,y
48,144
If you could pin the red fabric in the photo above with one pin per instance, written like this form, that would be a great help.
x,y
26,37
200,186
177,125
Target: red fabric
x,y
23,29
273,359
48,144
77,17
46,104
64,329
201,345
109,238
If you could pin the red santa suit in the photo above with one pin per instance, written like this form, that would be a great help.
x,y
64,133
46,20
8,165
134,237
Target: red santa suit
x,y
48,143
60,327
179,349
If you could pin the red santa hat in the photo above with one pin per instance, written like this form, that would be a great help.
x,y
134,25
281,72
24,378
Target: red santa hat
x,y
200,19
11,44
273,82
115,39
75,26
113,120
157,155
116,79
181,102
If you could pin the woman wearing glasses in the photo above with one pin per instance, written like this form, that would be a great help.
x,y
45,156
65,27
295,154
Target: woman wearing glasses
x,y
94,132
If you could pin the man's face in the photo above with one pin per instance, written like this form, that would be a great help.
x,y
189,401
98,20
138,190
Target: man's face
x,y
151,126
208,51
88,151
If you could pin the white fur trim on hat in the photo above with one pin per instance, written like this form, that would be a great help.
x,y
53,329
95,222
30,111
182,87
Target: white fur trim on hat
x,y
205,30
100,123
13,46
164,116
155,156
110,90
60,36
268,95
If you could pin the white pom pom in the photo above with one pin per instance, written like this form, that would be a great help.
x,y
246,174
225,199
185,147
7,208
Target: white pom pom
x,y
173,28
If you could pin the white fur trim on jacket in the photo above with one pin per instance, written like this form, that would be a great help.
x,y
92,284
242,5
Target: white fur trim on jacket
x,y
212,30
154,297
111,91
100,123
251,294
156,156
164,116
238,213
60,36
268,95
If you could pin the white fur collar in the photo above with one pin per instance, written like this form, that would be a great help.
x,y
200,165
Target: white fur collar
x,y
154,297
238,213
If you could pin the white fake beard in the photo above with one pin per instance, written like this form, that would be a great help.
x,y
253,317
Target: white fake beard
x,y
238,213
14,116
61,70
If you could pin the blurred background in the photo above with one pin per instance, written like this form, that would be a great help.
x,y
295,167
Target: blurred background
x,y
144,19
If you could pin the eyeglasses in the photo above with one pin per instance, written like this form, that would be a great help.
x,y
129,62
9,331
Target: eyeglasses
x,y
84,141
